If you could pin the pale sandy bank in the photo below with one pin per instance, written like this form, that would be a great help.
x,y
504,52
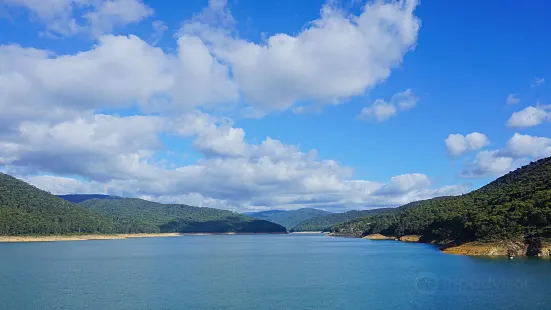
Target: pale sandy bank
x,y
500,248
378,237
81,237
410,238
306,232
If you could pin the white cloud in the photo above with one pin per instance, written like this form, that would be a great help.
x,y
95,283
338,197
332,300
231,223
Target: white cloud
x,y
404,100
512,99
335,57
458,144
116,155
98,147
529,146
490,164
51,127
520,149
380,110
96,17
529,117
118,72
538,81
405,183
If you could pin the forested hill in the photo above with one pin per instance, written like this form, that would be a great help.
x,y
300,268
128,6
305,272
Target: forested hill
x,y
146,216
77,198
288,219
515,206
324,223
27,210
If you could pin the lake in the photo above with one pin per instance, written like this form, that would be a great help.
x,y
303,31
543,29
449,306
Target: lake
x,y
263,272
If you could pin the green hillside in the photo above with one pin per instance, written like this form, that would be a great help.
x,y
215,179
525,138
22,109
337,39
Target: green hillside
x,y
324,223
27,210
137,215
517,205
289,219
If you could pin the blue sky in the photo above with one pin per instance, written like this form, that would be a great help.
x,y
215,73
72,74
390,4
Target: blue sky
x,y
224,103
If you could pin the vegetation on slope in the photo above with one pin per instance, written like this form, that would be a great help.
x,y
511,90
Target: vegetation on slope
x,y
78,198
27,210
515,206
324,223
288,219
137,215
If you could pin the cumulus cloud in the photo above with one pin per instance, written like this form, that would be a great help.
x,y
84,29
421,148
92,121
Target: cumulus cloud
x,y
335,57
529,146
405,183
381,110
99,146
458,144
118,72
55,124
512,99
116,155
95,17
519,150
489,164
529,117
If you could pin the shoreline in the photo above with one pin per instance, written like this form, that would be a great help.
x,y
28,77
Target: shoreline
x,y
306,232
473,249
55,238
10,239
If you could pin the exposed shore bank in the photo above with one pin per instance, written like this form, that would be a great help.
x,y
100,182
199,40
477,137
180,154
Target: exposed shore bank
x,y
110,237
497,248
82,237
306,232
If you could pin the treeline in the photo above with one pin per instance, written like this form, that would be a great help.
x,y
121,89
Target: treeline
x,y
137,215
517,205
27,210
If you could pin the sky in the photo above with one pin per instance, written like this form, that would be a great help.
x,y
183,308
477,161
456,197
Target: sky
x,y
257,105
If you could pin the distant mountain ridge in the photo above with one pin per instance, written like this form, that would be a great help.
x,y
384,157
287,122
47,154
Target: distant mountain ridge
x,y
324,223
148,216
288,218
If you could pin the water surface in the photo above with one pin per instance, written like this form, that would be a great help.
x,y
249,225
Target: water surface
x,y
263,272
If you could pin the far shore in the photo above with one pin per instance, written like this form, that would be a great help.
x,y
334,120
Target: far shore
x,y
82,237
4,239
307,232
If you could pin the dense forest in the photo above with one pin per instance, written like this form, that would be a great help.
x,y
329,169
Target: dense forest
x,y
515,206
288,219
138,215
27,210
78,198
324,223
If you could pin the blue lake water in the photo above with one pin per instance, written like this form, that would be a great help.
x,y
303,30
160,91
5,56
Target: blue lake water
x,y
263,272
